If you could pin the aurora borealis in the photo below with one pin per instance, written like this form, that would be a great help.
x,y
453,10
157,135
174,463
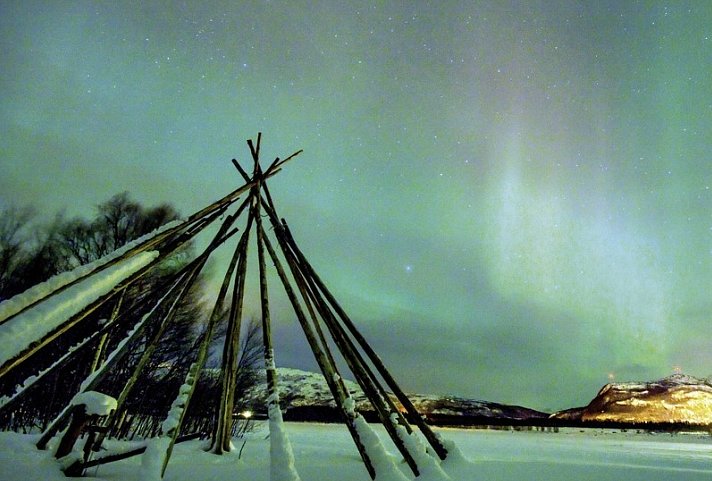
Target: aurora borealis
x,y
513,199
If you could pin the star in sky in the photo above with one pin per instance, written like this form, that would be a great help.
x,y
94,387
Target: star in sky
x,y
547,164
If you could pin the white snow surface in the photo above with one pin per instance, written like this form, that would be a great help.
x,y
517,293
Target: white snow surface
x,y
325,452
428,465
384,463
282,465
152,459
34,323
157,448
95,403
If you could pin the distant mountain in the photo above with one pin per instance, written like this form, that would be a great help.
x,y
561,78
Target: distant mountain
x,y
305,396
676,399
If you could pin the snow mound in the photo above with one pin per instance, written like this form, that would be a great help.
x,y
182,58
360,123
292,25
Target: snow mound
x,y
95,403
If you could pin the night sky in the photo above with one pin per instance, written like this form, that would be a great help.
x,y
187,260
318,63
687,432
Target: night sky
x,y
512,199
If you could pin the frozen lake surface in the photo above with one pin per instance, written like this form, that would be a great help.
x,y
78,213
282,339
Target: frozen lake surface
x,y
326,452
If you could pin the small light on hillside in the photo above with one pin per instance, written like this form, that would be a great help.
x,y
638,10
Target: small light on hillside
x,y
247,414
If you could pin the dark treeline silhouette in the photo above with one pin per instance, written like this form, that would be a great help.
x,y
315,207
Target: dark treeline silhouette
x,y
31,252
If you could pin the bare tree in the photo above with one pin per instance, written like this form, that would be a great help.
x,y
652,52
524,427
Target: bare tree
x,y
119,220
31,253
13,234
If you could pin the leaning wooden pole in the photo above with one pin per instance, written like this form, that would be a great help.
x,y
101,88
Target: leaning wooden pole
x,y
96,377
150,348
165,242
101,345
75,319
309,273
361,371
196,369
327,368
365,375
415,416
223,427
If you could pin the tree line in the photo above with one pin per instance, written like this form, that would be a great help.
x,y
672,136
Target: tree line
x,y
32,252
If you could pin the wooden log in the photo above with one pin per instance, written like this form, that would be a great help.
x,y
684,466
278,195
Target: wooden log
x,y
79,420
80,467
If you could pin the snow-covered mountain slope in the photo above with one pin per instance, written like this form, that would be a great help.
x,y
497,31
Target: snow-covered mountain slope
x,y
675,399
308,394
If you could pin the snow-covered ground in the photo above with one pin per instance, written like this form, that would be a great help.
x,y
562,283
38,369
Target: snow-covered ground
x,y
325,452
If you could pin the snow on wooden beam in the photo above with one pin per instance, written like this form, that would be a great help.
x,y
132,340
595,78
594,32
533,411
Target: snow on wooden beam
x,y
21,331
15,305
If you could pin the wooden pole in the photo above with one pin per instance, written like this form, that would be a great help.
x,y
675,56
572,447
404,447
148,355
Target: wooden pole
x,y
190,276
153,243
79,466
223,427
101,345
361,371
96,377
269,207
26,354
203,349
151,346
282,230
328,369
415,416
166,236
79,420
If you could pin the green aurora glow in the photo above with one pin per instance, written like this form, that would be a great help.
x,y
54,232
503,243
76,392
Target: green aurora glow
x,y
514,199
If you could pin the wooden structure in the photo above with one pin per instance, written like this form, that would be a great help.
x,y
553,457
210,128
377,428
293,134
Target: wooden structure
x,y
322,319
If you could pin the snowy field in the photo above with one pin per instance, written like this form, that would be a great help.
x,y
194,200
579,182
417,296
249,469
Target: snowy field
x,y
326,452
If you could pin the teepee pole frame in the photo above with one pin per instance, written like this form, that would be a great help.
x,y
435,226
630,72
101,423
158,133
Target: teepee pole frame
x,y
354,361
324,322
